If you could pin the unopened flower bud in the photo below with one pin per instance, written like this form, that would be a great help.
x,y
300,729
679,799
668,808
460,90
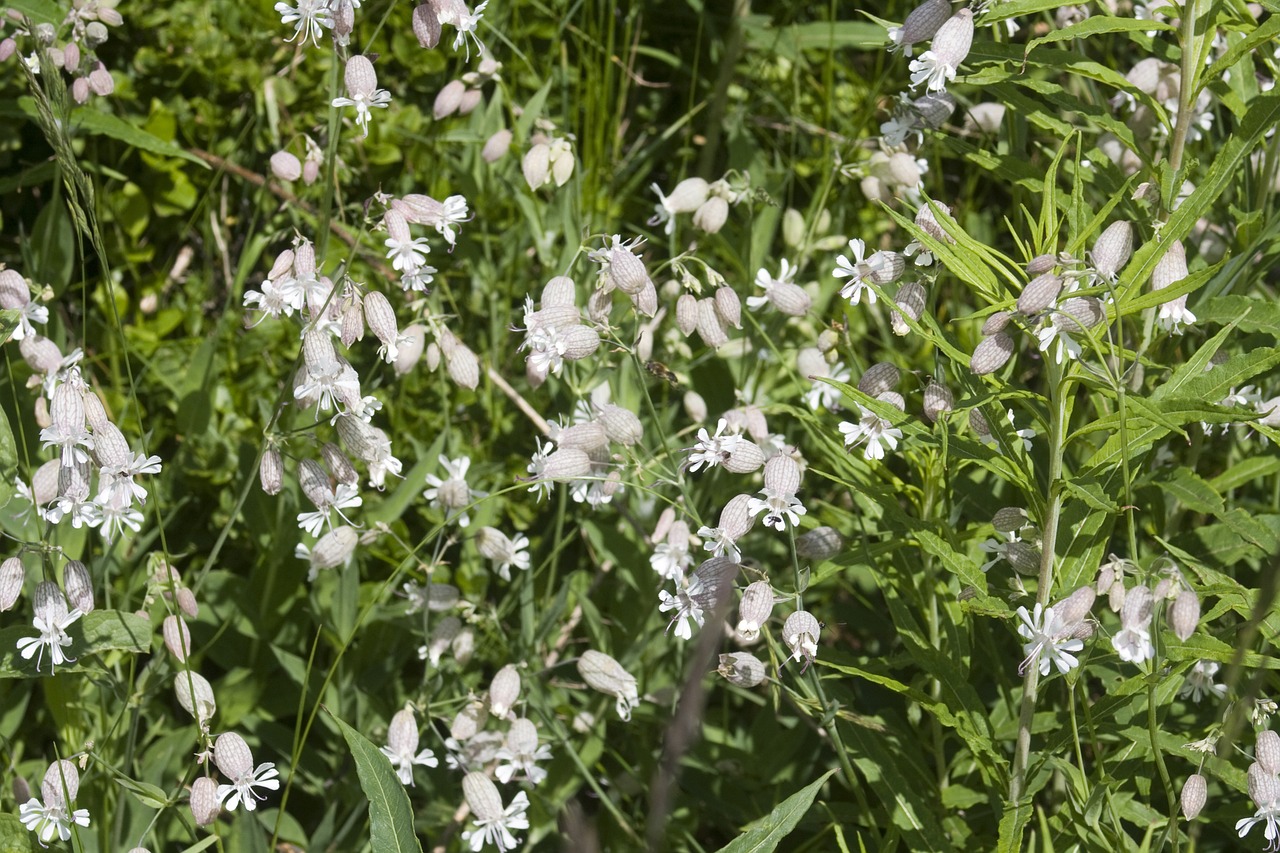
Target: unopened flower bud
x,y
711,327
1076,606
1183,616
12,575
728,306
694,406
1113,249
711,215
205,805
463,367
177,638
620,425
1264,787
996,322
1041,292
195,695
187,603
745,457
922,24
496,146
536,165
1195,793
286,166
821,543
938,400
606,675
504,690
448,99
1009,519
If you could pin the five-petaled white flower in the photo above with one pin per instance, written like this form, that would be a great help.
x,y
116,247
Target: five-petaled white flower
x,y
1199,682
236,763
52,620
778,507
493,822
712,449
1267,815
48,821
309,18
1049,642
857,270
876,431
687,611
362,91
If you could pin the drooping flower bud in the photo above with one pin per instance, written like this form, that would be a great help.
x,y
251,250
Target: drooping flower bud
x,y
908,304
741,669
177,637
878,378
195,695
78,586
996,322
496,146
1113,249
820,543
1195,793
606,675
754,610
938,400
921,25
286,166
205,805
61,784
12,575
1183,616
1266,751
1040,293
621,425
991,354
504,690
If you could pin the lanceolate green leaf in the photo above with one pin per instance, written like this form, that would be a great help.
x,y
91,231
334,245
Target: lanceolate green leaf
x,y
767,833
390,815
91,635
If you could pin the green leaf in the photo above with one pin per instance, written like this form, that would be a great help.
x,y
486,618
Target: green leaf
x,y
1192,492
92,634
151,796
39,11
14,837
1096,26
390,815
765,834
1250,314
104,124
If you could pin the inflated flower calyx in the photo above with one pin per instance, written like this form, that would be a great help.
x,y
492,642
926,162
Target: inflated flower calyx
x,y
991,354
741,669
1040,293
754,610
1113,249
909,303
938,400
878,378
922,24
1183,617
996,322
1195,793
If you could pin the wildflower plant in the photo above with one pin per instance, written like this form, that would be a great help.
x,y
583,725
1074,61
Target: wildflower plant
x,y
388,453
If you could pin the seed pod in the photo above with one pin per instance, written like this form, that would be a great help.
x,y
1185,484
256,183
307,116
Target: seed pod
x,y
934,109
744,458
78,586
1009,519
923,22
205,806
286,166
782,474
271,471
334,548
177,638
483,798
504,690
711,327
1041,292
1080,313
954,38
620,425
232,756
789,298
1171,268
579,342
996,322
589,436
728,306
1138,603
448,99
1183,616
878,378
412,345
800,633
736,519
536,165
1076,606
1266,750
463,367
60,785
1024,557
426,26
991,354
978,423
1041,264
754,610
927,222
1113,249
893,398
12,575
1195,793
688,196
741,669
711,216
496,146
891,268
687,313
202,706
187,603
1264,787
821,543
41,354
938,400
909,302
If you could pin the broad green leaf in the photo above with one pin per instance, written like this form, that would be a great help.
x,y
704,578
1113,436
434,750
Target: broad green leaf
x,y
92,120
767,833
91,634
1249,314
14,837
390,814
1191,491
149,795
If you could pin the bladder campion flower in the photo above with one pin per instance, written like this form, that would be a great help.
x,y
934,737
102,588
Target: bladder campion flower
x,y
362,91
236,763
1049,641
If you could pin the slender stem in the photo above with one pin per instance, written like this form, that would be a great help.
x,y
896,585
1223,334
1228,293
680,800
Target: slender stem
x,y
1058,398
1186,94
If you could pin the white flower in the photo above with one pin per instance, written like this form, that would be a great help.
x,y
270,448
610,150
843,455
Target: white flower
x,y
402,749
778,508
495,828
1025,434
1051,333
765,281
711,450
1199,682
856,271
452,212
452,493
48,821
236,763
465,22
1133,644
52,621
998,548
1266,814
328,383
514,553
408,256
1048,641
687,611
308,17
1174,315
932,70
876,431
670,559
719,543
536,465
821,394
344,497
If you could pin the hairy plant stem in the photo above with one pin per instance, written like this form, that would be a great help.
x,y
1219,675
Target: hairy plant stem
x,y
1058,391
